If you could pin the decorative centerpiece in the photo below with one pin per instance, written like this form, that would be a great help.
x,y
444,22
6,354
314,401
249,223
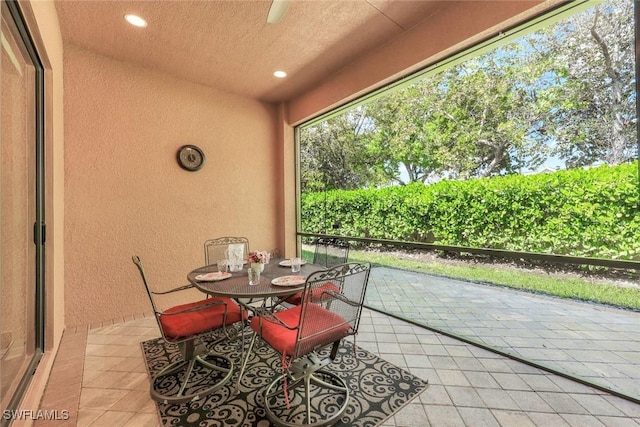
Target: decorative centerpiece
x,y
258,259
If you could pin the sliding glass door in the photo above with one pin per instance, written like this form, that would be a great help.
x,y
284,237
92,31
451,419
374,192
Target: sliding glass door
x,y
21,213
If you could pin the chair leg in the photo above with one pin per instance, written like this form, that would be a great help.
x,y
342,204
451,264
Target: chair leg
x,y
210,365
307,395
204,373
320,383
187,375
301,411
172,368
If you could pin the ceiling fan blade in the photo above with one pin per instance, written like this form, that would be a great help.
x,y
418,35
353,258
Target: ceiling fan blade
x,y
277,10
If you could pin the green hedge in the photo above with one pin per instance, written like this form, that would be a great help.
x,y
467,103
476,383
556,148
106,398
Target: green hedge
x,y
581,212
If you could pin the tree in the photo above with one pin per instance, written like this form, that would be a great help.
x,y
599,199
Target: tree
x,y
478,118
403,137
593,55
489,119
565,91
333,153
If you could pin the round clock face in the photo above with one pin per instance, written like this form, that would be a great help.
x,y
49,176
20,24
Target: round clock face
x,y
190,157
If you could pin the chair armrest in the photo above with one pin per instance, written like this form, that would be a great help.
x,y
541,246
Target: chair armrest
x,y
266,314
340,297
179,288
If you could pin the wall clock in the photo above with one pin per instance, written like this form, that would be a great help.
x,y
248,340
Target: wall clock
x,y
190,158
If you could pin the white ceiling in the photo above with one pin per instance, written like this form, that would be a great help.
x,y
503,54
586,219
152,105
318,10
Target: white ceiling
x,y
228,44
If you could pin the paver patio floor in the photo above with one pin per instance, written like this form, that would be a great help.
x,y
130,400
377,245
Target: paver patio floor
x,y
596,343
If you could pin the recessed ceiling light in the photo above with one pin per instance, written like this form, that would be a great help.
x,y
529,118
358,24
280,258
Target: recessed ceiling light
x,y
280,74
135,20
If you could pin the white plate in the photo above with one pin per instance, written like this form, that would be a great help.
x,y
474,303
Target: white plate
x,y
288,281
287,263
213,277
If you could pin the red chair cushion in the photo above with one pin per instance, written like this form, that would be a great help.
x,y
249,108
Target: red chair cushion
x,y
320,327
296,299
190,323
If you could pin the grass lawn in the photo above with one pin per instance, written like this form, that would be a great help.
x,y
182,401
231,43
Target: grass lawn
x,y
560,285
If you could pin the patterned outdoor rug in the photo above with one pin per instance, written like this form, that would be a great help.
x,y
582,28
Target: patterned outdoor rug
x,y
377,388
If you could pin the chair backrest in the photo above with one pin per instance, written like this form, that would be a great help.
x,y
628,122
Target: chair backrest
x,y
214,249
331,251
329,312
156,312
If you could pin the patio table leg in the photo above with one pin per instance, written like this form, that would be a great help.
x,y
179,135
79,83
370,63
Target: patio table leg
x,y
245,360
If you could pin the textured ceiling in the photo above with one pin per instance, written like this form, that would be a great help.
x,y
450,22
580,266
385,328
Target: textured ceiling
x,y
229,45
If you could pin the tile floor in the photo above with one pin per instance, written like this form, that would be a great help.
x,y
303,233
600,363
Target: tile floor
x,y
100,377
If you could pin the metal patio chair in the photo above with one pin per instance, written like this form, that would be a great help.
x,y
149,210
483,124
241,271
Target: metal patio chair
x,y
214,249
198,372
328,252
306,393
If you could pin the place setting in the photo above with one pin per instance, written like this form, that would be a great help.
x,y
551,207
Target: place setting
x,y
290,262
214,276
288,280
